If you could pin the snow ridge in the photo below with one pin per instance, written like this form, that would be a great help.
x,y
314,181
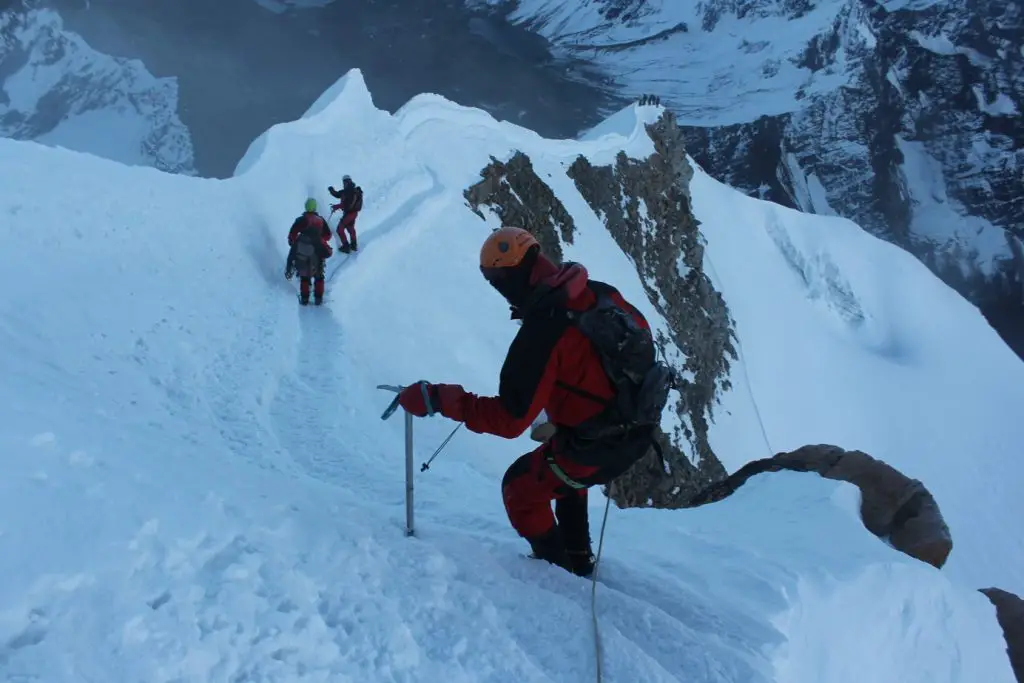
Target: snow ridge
x,y
197,485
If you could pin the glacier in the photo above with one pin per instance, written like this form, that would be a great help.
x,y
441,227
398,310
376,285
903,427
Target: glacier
x,y
197,486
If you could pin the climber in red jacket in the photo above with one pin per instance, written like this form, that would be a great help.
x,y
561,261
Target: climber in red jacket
x,y
351,196
309,240
550,366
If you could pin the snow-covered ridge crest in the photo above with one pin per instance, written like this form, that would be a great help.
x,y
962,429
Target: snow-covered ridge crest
x,y
349,97
59,91
197,483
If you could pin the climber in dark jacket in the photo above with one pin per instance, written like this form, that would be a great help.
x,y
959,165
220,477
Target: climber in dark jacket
x,y
552,367
351,196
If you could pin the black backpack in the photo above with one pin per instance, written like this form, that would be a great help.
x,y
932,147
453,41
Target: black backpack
x,y
630,359
357,199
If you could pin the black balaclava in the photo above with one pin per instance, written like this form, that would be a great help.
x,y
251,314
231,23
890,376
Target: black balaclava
x,y
514,283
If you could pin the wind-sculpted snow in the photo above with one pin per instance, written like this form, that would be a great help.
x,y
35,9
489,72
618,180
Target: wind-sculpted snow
x,y
197,486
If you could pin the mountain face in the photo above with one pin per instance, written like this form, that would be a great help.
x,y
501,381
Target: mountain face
x,y
902,115
56,90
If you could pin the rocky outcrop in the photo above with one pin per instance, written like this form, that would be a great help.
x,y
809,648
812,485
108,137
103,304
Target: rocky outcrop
x,y
517,196
646,208
1010,613
894,507
645,205
57,90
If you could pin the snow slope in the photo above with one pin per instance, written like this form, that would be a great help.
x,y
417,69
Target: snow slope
x,y
196,484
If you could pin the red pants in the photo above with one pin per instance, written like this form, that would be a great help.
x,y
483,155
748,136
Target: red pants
x,y
530,485
347,223
318,286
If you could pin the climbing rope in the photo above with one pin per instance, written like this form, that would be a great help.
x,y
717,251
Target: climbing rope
x,y
607,506
593,588
743,359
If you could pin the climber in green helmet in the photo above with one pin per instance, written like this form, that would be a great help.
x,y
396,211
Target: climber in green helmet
x,y
310,246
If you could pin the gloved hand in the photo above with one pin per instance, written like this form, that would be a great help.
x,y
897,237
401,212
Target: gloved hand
x,y
423,398
420,399
330,188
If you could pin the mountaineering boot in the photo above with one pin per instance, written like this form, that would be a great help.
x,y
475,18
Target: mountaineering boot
x,y
345,249
573,519
355,244
304,300
318,299
550,547
581,562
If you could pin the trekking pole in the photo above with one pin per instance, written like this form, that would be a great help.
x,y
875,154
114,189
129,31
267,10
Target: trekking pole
x,y
426,466
409,528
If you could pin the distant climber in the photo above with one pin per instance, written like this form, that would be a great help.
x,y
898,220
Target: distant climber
x,y
309,240
351,196
557,364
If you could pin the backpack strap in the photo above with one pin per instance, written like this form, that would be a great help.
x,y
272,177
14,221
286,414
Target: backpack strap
x,y
601,292
582,393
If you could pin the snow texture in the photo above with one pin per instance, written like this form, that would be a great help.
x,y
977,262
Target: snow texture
x,y
57,90
196,485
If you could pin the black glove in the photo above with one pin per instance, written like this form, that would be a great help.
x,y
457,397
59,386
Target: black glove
x,y
330,188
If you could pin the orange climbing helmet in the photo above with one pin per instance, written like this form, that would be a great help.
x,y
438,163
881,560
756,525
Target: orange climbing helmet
x,y
507,260
506,248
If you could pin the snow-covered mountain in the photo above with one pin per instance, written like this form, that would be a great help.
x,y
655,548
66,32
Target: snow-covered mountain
x,y
903,115
197,484
57,90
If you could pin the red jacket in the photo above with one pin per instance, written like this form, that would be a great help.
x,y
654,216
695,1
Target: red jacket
x,y
547,361
306,219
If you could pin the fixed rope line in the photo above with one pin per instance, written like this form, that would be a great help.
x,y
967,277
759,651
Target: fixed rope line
x,y
746,375
593,589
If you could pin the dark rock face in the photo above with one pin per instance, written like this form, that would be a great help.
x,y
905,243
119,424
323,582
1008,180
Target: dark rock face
x,y
923,144
646,207
503,189
1010,613
893,506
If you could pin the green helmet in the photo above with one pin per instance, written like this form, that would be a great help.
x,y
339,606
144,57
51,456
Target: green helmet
x,y
310,204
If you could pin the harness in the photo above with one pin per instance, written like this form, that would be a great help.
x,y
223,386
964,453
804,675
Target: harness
x,y
549,456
